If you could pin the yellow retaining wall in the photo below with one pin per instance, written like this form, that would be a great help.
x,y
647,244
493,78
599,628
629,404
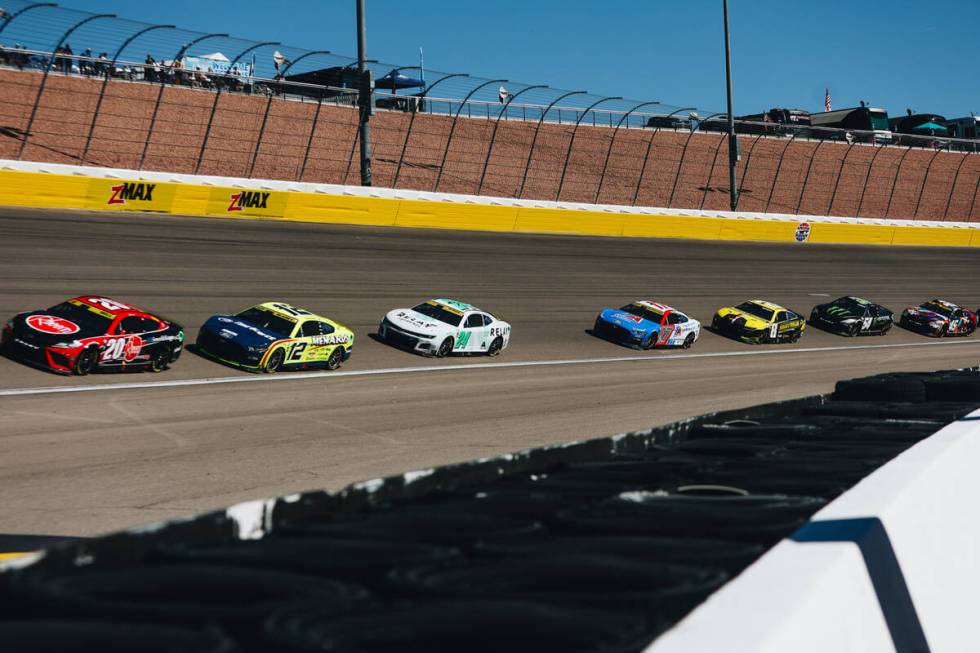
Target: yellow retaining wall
x,y
45,190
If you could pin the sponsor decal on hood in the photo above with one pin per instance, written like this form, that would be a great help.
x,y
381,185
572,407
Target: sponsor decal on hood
x,y
409,319
226,322
628,320
52,324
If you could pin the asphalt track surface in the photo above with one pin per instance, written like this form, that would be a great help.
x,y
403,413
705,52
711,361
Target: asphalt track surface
x,y
138,448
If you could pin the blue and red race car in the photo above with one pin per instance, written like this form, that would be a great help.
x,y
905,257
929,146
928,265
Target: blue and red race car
x,y
939,318
647,324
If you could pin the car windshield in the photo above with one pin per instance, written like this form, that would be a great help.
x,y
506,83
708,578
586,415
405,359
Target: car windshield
x,y
756,310
644,312
440,312
938,308
267,321
879,121
850,304
87,320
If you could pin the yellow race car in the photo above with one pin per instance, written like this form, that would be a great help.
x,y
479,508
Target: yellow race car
x,y
275,336
757,321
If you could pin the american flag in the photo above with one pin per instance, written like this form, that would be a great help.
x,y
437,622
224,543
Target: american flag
x,y
826,99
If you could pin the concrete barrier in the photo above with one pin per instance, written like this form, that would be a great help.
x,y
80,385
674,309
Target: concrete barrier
x,y
891,565
73,187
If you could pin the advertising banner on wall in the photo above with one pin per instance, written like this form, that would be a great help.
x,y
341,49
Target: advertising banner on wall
x,y
122,195
247,202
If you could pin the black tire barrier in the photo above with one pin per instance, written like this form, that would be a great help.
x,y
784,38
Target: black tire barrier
x,y
655,590
54,636
759,519
426,525
940,410
365,562
199,594
953,388
726,555
470,625
892,388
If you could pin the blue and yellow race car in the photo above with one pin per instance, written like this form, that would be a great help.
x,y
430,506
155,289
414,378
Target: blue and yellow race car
x,y
275,336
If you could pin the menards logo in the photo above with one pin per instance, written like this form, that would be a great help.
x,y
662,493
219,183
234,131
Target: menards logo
x,y
131,190
248,199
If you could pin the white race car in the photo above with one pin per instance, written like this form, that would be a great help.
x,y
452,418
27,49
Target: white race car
x,y
440,327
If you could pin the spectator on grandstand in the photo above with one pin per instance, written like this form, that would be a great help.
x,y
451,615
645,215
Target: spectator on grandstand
x,y
85,62
103,64
67,59
149,69
177,70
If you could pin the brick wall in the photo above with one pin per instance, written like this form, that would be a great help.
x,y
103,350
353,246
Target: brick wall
x,y
164,128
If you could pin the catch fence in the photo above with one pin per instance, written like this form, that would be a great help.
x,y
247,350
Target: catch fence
x,y
210,104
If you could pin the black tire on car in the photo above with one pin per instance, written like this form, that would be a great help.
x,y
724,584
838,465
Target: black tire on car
x,y
650,342
161,359
688,341
495,346
336,358
854,330
445,348
275,361
86,362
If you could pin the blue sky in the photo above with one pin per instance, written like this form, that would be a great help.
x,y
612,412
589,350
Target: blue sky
x,y
893,54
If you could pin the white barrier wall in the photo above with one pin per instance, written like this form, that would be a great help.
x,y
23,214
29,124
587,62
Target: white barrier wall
x,y
835,585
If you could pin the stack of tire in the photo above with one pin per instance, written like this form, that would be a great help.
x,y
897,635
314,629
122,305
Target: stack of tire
x,y
578,556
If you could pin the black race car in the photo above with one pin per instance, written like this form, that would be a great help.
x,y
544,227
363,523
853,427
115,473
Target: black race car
x,y
852,316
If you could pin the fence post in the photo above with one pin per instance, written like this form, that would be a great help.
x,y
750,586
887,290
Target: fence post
x,y
163,83
779,166
898,171
711,172
605,163
10,17
680,166
952,188
105,82
534,139
867,178
973,204
571,141
840,172
411,122
452,129
806,178
309,141
922,188
44,79
217,96
748,162
268,105
493,135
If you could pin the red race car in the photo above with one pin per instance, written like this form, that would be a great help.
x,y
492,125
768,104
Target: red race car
x,y
939,318
88,333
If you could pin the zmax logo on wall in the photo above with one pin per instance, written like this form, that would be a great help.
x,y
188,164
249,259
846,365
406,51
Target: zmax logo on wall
x,y
135,191
248,199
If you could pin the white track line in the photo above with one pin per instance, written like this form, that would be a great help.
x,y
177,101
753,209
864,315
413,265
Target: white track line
x,y
303,376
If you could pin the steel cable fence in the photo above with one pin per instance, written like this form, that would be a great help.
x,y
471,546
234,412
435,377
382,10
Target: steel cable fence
x,y
241,117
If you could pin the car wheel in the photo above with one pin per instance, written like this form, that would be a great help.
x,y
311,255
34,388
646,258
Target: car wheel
x,y
854,330
275,361
688,341
335,358
495,347
445,348
161,359
86,362
942,331
796,336
650,342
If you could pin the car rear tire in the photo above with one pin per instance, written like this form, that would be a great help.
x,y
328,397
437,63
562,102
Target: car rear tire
x,y
86,362
854,330
336,358
688,341
495,347
161,359
275,361
445,348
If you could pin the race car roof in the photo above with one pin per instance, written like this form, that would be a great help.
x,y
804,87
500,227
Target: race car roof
x,y
649,303
106,306
288,311
769,305
456,304
941,302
